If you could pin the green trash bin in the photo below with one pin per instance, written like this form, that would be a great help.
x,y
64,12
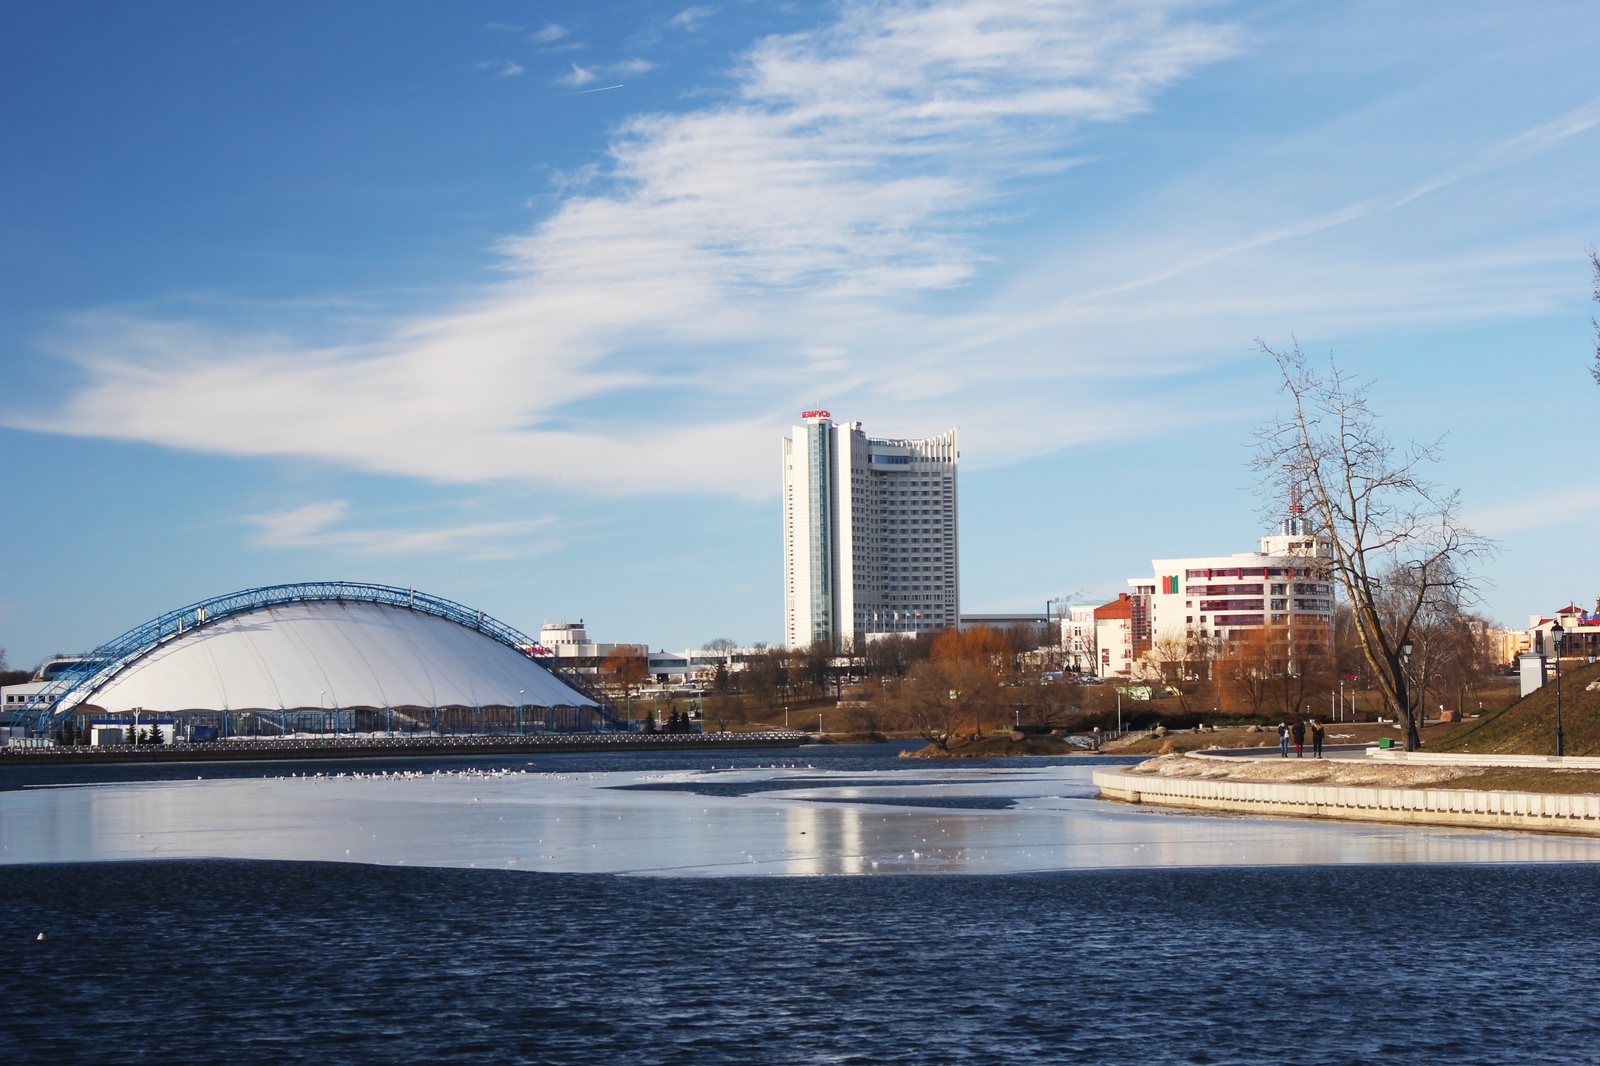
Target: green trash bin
x,y
1386,742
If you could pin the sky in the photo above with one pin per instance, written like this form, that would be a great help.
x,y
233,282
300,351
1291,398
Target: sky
x,y
513,302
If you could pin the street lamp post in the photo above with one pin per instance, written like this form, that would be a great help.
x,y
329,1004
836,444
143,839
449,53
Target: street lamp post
x,y
1406,647
1555,641
520,693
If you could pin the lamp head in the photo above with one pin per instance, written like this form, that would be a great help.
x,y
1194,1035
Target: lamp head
x,y
1406,648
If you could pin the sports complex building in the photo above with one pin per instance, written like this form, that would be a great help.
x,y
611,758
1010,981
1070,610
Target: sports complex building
x,y
318,658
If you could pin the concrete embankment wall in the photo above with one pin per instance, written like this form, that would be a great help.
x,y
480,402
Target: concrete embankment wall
x,y
390,747
1419,806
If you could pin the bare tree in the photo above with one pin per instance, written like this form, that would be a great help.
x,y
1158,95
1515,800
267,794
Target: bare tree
x,y
1043,703
768,677
1594,259
1377,514
974,663
724,707
1183,664
1302,667
624,670
893,655
12,677
933,708
1471,657
1245,669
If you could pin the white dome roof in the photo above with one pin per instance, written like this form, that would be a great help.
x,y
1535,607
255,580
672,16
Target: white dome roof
x,y
331,654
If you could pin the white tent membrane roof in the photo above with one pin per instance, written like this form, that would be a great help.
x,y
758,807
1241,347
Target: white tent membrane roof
x,y
332,654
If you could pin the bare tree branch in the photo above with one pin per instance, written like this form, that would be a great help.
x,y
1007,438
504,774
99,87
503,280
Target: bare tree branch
x,y
1594,259
1394,541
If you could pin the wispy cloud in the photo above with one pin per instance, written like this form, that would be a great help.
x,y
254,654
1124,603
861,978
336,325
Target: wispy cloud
x,y
324,525
501,68
838,181
629,68
1538,512
690,18
653,331
626,68
576,77
549,34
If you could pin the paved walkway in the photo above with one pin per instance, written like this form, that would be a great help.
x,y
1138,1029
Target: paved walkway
x,y
1329,751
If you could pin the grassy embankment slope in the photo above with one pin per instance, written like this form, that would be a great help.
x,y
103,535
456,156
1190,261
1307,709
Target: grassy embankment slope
x,y
1528,726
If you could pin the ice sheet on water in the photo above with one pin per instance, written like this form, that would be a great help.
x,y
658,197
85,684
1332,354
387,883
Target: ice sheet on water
x,y
792,821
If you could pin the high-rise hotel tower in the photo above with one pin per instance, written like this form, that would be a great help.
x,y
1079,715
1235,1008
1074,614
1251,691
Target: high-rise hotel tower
x,y
869,533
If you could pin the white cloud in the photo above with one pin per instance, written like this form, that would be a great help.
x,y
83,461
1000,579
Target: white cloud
x,y
836,183
817,231
1539,512
628,68
501,68
578,76
690,18
548,35
322,525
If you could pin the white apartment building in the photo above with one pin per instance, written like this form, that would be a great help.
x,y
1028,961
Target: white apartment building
x,y
1217,596
1077,637
870,542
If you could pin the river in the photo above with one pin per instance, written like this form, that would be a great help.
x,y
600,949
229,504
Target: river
x,y
764,907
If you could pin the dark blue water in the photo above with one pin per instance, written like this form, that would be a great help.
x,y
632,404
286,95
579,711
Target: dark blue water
x,y
251,962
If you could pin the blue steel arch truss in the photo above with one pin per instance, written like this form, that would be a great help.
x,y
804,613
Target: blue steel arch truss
x,y
106,661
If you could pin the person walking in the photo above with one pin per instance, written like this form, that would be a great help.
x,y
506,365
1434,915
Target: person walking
x,y
1283,739
1298,731
1317,732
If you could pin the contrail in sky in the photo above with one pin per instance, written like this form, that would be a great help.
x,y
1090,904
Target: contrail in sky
x,y
602,89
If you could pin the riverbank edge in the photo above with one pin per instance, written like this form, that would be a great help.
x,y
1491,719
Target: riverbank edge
x,y
294,750
1452,808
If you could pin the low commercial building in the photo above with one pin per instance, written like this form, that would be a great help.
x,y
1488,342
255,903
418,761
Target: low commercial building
x,y
22,702
1580,633
1035,629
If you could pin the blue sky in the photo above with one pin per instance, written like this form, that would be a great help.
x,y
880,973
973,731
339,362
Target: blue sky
x,y
512,302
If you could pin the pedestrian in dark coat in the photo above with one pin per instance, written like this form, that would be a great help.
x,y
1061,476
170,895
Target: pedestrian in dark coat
x,y
1283,739
1299,733
1316,738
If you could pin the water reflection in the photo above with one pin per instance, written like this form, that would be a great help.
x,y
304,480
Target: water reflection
x,y
797,822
